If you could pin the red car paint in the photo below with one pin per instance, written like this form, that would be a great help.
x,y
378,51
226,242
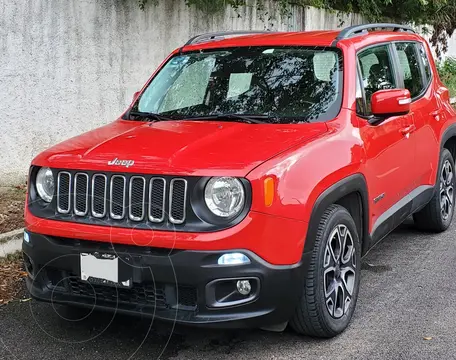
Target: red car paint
x,y
178,147
304,160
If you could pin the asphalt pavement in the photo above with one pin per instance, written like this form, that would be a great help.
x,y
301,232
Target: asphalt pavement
x,y
406,310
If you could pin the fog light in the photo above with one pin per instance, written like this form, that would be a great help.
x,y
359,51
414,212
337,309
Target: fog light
x,y
244,287
26,237
233,259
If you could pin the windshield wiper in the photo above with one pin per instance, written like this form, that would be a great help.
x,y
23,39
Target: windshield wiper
x,y
148,116
250,119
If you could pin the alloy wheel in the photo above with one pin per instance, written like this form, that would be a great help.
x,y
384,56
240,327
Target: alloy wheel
x,y
446,190
339,271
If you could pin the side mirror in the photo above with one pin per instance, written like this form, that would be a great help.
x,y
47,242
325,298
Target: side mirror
x,y
391,102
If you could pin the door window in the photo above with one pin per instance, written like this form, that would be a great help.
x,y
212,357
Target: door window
x,y
425,61
410,68
359,96
376,72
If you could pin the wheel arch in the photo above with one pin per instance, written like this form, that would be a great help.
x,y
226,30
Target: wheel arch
x,y
449,140
351,193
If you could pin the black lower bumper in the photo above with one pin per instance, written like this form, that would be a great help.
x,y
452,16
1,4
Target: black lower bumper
x,y
186,287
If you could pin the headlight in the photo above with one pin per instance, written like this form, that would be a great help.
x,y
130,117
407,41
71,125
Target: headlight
x,y
45,184
224,196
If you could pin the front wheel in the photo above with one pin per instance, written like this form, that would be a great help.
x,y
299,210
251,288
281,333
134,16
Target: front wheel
x,y
332,283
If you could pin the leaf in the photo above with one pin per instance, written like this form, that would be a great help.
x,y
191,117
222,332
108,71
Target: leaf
x,y
427,338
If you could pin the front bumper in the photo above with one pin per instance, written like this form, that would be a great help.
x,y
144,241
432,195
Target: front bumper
x,y
182,286
277,240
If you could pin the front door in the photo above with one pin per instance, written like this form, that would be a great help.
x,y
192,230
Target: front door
x,y
389,148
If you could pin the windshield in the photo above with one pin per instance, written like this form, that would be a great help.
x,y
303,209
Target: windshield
x,y
284,85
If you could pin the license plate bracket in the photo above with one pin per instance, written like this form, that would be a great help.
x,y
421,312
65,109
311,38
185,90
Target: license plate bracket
x,y
105,269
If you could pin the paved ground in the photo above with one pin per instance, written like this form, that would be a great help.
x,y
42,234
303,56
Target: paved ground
x,y
407,296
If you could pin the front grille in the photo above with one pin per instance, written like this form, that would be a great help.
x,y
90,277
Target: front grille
x,y
177,199
137,192
146,294
157,295
157,200
117,197
81,194
122,198
63,192
99,192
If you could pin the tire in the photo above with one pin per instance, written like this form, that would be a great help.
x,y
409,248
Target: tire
x,y
437,215
314,315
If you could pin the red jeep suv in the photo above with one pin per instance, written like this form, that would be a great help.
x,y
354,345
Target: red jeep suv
x,y
246,181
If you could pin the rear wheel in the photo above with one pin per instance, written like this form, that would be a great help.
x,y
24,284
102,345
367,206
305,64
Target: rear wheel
x,y
437,215
332,283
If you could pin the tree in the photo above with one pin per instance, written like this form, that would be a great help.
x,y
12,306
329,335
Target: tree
x,y
440,15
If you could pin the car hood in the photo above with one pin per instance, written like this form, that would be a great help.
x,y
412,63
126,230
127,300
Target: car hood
x,y
200,148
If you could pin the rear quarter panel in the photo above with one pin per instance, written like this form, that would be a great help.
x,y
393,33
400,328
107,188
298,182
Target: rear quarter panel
x,y
436,132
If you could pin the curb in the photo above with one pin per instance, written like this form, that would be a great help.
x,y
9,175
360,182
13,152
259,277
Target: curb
x,y
11,242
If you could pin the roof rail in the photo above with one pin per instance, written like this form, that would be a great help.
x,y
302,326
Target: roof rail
x,y
362,29
221,35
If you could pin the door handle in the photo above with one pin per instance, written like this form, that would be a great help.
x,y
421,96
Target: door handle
x,y
407,130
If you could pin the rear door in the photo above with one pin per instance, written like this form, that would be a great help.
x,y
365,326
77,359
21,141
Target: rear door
x,y
390,153
416,76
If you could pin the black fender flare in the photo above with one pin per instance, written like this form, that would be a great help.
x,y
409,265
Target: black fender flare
x,y
449,132
353,183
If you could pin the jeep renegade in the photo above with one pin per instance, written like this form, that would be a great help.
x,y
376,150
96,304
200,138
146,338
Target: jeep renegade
x,y
246,181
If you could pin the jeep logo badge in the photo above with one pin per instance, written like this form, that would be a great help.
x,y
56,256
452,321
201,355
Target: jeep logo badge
x,y
126,163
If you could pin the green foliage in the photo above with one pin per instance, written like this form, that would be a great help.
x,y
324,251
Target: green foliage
x,y
212,6
440,14
142,3
447,73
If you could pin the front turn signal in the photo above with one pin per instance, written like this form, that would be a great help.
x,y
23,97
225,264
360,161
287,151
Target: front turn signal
x,y
268,191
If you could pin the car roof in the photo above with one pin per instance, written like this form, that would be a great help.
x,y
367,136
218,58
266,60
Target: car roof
x,y
315,38
303,38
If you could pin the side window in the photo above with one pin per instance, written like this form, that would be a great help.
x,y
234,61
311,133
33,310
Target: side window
x,y
376,72
359,96
410,68
425,61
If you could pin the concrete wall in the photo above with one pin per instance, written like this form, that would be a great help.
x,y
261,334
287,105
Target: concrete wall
x,y
68,66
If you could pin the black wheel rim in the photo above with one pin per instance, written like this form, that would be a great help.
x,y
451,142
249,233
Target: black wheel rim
x,y
339,271
446,190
